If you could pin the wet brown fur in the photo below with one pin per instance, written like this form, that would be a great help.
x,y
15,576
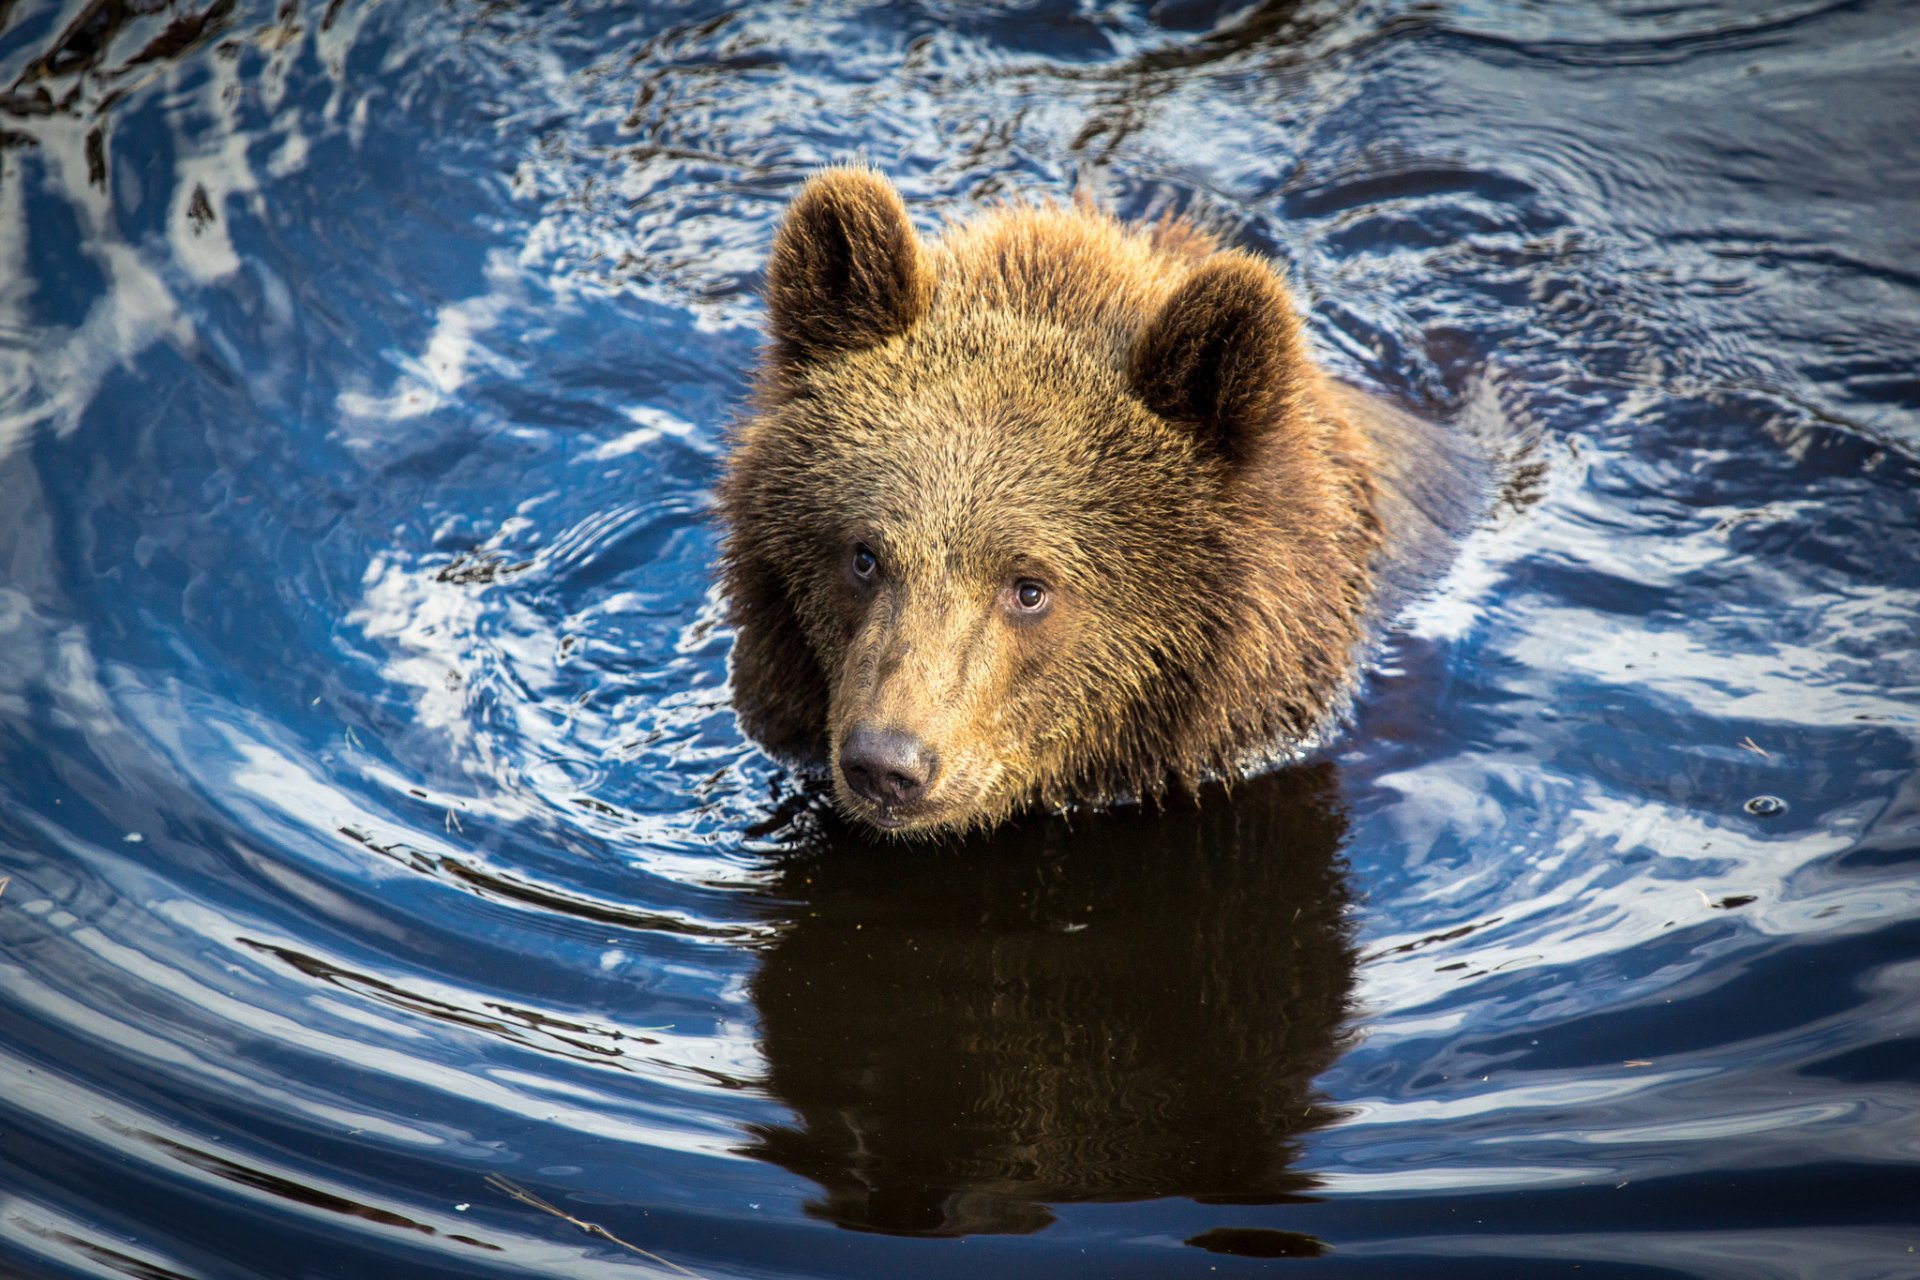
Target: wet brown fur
x,y
1124,413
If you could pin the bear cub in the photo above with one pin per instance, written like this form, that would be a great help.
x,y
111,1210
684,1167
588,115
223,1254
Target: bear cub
x,y
1051,508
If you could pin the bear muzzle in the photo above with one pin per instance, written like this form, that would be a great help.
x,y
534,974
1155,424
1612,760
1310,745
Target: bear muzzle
x,y
889,769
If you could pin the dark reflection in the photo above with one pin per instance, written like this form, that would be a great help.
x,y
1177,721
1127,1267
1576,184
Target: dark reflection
x,y
489,884
146,32
1259,1242
1129,1007
1284,28
286,1188
1279,37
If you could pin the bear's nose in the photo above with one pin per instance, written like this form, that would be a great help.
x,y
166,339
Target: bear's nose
x,y
887,766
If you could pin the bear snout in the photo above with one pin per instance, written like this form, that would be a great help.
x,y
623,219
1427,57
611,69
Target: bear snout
x,y
890,768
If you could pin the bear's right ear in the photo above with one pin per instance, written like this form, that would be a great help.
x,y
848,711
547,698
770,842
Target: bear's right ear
x,y
1224,354
847,271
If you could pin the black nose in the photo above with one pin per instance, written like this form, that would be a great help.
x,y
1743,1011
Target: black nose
x,y
887,766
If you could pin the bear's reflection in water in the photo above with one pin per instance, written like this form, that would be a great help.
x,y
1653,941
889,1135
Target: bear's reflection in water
x,y
1130,1005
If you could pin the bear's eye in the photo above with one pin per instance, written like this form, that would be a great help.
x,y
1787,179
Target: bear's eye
x,y
865,563
1030,596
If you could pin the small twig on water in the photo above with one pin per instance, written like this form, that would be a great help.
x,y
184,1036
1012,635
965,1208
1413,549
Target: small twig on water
x,y
4,882
1749,744
531,1200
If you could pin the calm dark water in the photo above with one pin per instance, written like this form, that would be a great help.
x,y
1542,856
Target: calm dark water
x,y
377,828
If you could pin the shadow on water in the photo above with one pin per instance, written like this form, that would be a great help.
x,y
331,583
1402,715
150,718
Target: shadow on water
x,y
1124,1007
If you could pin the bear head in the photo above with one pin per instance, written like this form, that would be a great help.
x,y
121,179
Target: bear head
x,y
1038,511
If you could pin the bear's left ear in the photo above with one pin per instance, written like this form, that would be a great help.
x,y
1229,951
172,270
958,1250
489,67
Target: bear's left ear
x,y
847,271
1224,354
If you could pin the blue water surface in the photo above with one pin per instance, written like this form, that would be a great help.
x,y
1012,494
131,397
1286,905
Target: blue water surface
x,y
388,891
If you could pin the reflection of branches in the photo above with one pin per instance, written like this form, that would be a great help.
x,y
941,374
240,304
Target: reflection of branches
x,y
1274,36
79,55
533,1201
82,46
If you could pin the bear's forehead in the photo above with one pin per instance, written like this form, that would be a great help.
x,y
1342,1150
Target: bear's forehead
x,y
1031,402
991,462
978,438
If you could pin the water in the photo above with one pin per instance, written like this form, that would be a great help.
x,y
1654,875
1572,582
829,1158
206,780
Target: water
x,y
384,864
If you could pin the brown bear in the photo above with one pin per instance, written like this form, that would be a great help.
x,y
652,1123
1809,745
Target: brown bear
x,y
1051,508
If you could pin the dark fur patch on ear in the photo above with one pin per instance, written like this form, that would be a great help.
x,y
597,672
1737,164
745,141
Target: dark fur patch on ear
x,y
1223,354
847,270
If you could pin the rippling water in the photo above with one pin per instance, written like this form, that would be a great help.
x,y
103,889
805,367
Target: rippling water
x,y
390,893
